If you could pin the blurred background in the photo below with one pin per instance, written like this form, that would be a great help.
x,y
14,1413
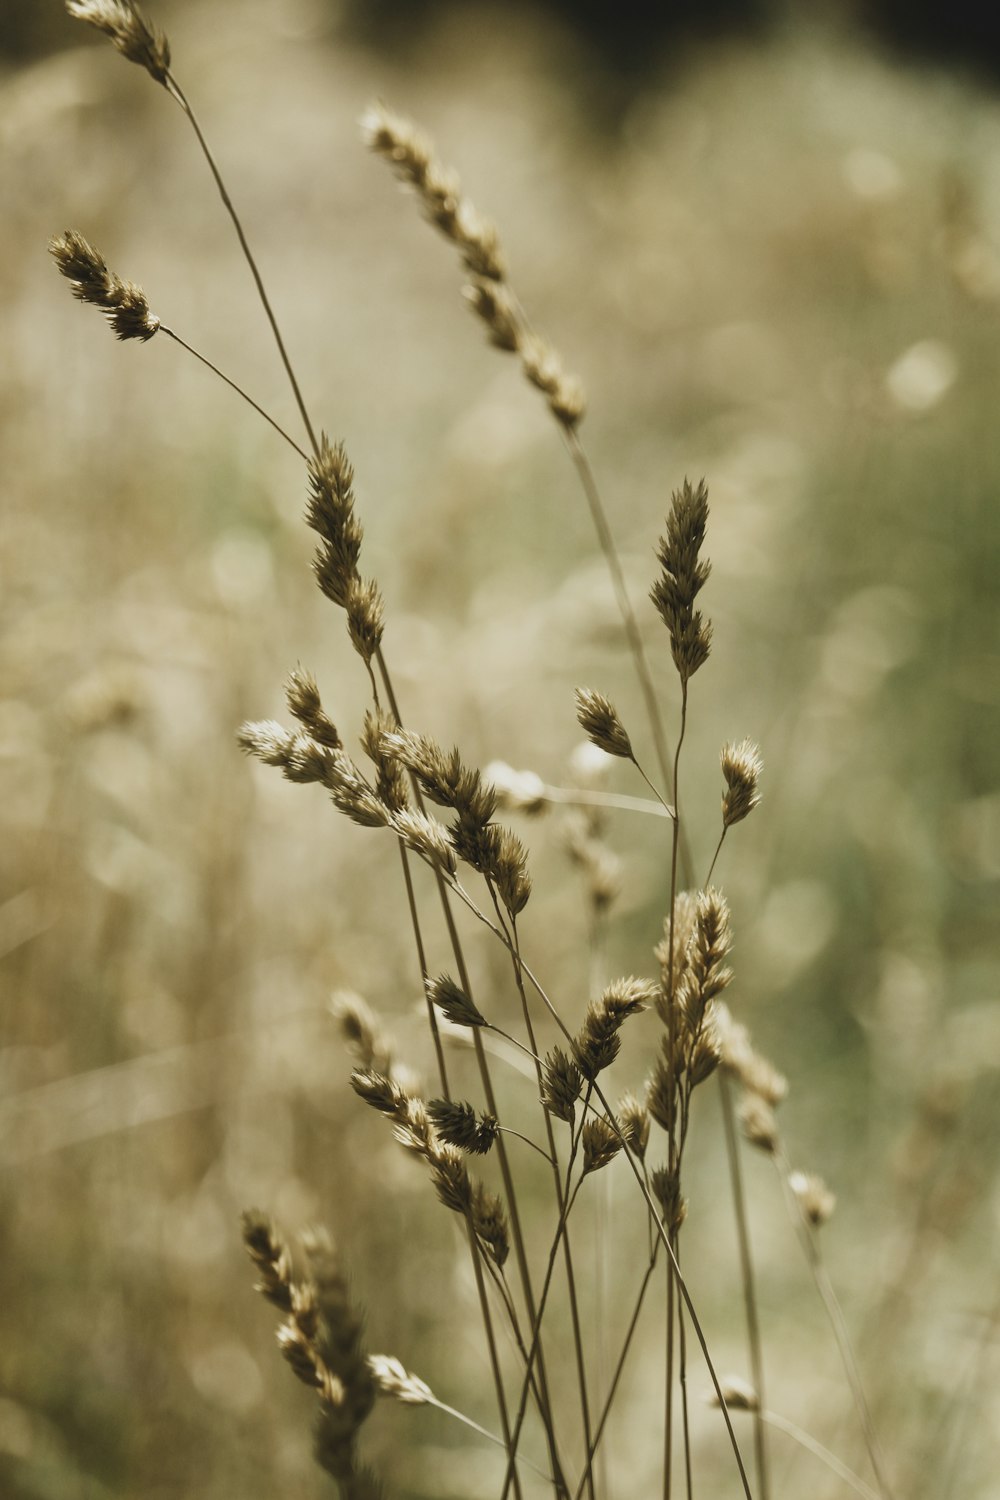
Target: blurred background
x,y
767,237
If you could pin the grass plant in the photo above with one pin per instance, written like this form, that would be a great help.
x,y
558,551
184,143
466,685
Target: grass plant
x,y
559,1124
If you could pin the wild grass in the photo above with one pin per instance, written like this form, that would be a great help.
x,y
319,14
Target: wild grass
x,y
319,1332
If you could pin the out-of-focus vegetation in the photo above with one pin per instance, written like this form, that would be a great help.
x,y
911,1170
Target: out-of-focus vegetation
x,y
782,272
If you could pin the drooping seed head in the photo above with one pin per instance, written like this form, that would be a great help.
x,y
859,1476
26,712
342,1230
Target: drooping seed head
x,y
759,1124
493,302
392,1379
544,369
741,768
601,1143
304,703
426,837
599,720
517,791
490,1223
361,1032
562,1085
633,1118
128,30
738,1394
814,1197
123,304
271,1254
365,617
380,1091
666,1187
330,513
457,1125
457,1006
438,188
597,1043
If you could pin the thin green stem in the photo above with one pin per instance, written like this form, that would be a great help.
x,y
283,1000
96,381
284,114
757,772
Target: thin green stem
x,y
598,515
633,635
669,811
508,1183
754,1342
539,989
581,1373
569,1198
620,1365
673,1153
715,856
685,1416
581,797
506,1130
835,1314
234,387
175,90
460,1416
807,1441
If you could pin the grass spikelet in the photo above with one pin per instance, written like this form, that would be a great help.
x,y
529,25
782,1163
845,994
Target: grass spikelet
x,y
490,1224
741,768
682,578
457,1125
123,304
129,32
601,1144
597,1044
426,837
271,1254
815,1199
544,369
633,1118
411,154
454,1003
393,1379
377,742
488,293
380,1091
598,718
330,513
562,1085
361,1031
666,1185
759,1124
305,704
365,617
451,1179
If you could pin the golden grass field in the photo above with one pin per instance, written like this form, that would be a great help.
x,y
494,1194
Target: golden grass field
x,y
780,270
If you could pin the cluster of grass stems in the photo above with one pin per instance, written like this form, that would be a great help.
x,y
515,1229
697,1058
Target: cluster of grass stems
x,y
441,813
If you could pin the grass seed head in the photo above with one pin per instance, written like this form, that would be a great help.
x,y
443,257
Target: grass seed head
x,y
738,1395
490,1224
683,576
457,1125
666,1185
601,1144
452,1000
271,1254
814,1197
123,304
634,1120
598,718
741,768
759,1124
562,1084
304,704
392,1379
361,1031
128,30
